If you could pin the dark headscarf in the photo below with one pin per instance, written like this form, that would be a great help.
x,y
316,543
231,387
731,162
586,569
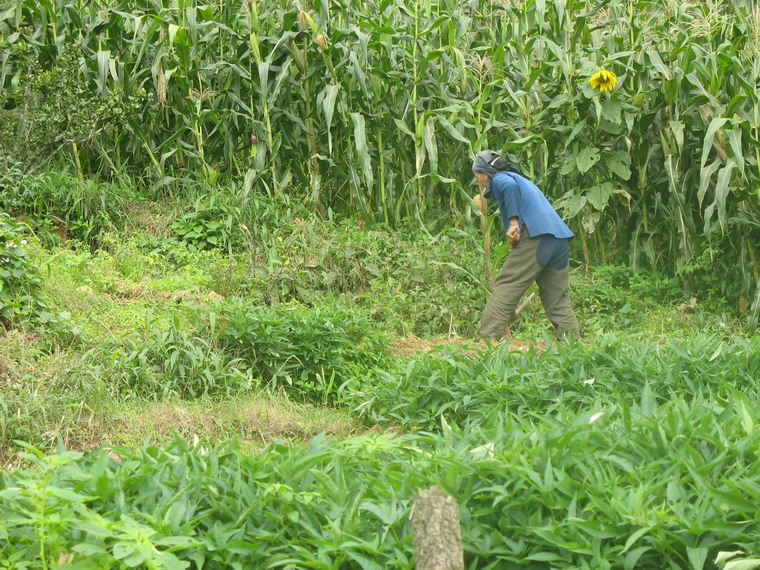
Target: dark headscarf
x,y
491,162
484,162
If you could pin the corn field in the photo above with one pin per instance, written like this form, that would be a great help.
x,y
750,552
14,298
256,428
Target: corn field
x,y
378,107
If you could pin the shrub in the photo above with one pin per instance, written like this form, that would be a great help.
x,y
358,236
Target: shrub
x,y
84,210
209,225
22,301
312,352
19,279
169,363
50,110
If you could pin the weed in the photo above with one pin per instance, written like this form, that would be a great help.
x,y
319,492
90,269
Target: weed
x,y
56,202
170,363
209,226
462,388
314,353
22,301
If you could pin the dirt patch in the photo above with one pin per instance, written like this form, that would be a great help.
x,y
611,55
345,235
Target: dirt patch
x,y
526,345
412,345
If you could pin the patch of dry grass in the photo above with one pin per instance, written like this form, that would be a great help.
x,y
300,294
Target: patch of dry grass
x,y
257,420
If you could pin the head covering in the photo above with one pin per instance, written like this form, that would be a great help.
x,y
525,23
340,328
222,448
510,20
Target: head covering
x,y
484,162
491,162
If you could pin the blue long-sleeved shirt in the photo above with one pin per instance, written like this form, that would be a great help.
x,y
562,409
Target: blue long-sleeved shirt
x,y
519,197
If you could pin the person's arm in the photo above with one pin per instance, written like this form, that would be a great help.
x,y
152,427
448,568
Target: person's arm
x,y
506,192
513,233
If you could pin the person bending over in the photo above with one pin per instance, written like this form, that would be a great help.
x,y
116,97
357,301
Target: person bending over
x,y
540,250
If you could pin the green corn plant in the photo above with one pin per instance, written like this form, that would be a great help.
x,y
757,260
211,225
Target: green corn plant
x,y
377,107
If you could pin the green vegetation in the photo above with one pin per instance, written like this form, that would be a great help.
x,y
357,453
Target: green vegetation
x,y
583,482
240,274
630,448
377,107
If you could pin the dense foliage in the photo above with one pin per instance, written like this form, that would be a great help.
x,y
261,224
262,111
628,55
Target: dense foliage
x,y
313,353
236,218
459,388
618,473
378,106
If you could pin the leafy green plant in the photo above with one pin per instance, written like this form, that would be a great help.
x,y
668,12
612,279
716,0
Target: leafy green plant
x,y
460,388
85,210
208,226
622,483
47,514
22,301
54,108
19,278
312,352
170,363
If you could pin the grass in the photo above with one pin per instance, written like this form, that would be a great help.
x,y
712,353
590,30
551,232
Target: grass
x,y
622,485
54,398
142,289
272,370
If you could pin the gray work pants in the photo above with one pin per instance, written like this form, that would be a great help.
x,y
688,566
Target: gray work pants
x,y
543,259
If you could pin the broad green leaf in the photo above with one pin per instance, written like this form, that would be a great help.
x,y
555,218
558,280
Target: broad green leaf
x,y
599,195
611,110
95,529
705,177
453,131
587,158
677,127
360,138
89,550
722,190
659,65
632,558
746,564
569,166
518,142
327,98
428,137
747,421
619,162
570,206
713,128
725,555
178,35
635,537
697,557
648,404
577,128
403,127
104,61
735,140
545,557
121,550
68,495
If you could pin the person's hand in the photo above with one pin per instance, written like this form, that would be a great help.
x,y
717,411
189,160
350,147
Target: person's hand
x,y
513,234
479,202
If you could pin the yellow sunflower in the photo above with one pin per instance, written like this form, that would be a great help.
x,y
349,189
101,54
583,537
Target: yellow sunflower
x,y
603,80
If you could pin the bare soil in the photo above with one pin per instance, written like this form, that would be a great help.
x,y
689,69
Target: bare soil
x,y
412,345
